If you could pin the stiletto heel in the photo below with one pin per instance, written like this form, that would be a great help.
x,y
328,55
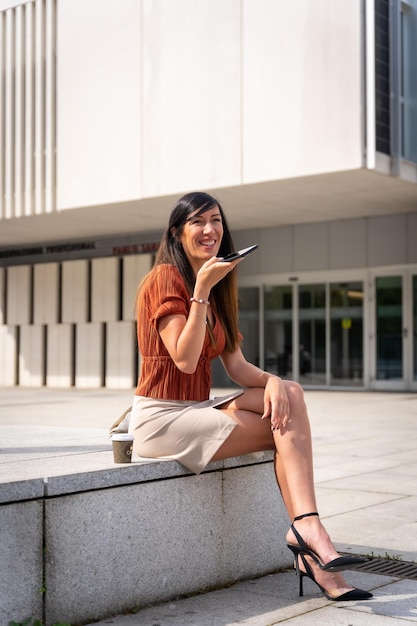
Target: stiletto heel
x,y
300,586
336,565
296,551
353,594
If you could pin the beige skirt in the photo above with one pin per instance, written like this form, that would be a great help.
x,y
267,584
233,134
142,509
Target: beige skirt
x,y
189,432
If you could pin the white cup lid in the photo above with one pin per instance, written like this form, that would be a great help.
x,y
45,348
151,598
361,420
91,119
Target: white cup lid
x,y
122,437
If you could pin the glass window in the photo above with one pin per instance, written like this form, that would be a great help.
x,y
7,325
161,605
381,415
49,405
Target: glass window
x,y
249,327
278,330
346,333
408,82
389,325
414,327
312,329
249,322
382,78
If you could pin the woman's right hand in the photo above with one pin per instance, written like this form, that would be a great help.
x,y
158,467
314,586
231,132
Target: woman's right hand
x,y
211,273
184,337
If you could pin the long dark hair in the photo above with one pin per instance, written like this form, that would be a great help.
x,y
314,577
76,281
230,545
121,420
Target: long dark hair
x,y
223,296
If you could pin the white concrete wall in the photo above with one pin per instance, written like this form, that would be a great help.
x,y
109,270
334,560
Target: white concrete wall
x,y
120,355
32,356
89,354
45,293
98,102
2,296
301,88
8,355
59,355
140,115
191,94
19,293
75,291
381,241
134,269
105,290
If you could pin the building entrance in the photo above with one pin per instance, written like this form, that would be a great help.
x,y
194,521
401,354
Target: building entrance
x,y
336,334
314,332
393,336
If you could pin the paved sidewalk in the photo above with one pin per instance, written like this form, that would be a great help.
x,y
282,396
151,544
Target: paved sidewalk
x,y
365,448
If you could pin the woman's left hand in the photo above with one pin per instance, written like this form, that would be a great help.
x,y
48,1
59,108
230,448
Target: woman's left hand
x,y
276,403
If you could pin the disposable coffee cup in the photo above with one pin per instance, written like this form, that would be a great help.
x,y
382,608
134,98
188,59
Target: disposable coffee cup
x,y
122,447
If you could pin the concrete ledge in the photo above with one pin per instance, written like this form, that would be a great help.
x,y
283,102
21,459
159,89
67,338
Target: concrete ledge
x,y
21,571
113,539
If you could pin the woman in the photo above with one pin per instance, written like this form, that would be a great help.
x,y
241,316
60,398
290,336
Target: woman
x,y
187,314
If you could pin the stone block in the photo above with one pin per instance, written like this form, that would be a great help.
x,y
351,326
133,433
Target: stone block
x,y
89,354
21,571
255,514
117,549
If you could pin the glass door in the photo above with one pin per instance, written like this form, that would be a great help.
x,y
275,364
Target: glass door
x,y
414,335
346,334
393,332
278,330
312,334
389,328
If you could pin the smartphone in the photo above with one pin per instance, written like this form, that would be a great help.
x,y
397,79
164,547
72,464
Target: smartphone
x,y
240,253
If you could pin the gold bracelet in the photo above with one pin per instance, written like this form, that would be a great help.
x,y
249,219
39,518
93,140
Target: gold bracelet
x,y
198,315
199,300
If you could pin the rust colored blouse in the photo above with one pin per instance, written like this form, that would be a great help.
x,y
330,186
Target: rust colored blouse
x,y
164,293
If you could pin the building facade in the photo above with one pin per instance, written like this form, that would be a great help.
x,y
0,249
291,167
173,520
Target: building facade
x,y
300,117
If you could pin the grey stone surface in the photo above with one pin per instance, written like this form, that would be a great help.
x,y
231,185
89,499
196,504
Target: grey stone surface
x,y
21,570
257,520
365,472
273,599
120,548
130,540
19,490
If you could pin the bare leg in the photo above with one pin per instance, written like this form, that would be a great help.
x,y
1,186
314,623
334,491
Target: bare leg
x,y
333,582
294,462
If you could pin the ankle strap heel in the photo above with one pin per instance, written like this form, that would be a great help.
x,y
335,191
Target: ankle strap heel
x,y
305,515
336,565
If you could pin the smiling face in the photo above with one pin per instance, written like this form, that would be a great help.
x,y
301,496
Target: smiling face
x,y
202,235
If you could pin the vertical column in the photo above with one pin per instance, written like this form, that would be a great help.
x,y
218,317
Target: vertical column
x,y
89,355
19,109
19,291
2,296
46,293
60,355
31,357
105,285
29,157
2,114
45,323
39,109
50,106
28,109
8,355
135,267
9,114
120,355
75,291
369,121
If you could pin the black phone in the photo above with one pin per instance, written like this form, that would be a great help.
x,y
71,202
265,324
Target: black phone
x,y
240,253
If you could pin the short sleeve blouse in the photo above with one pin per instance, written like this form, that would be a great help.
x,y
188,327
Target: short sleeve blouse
x,y
164,293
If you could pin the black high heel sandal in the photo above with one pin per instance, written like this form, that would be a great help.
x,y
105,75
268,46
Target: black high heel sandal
x,y
336,565
353,594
